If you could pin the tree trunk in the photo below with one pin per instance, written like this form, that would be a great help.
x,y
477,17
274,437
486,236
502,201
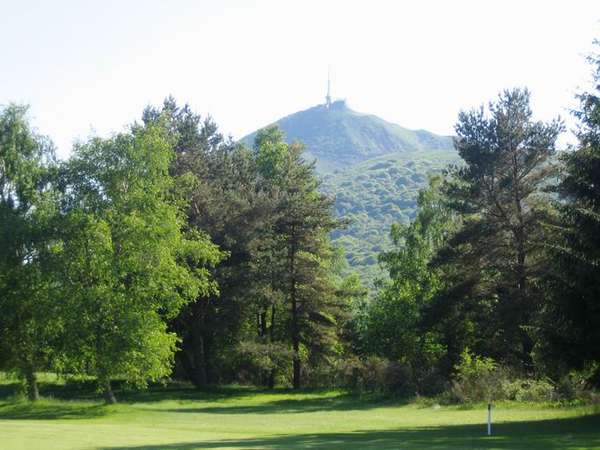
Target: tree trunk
x,y
109,395
200,378
262,324
33,392
297,365
199,361
524,303
271,381
295,325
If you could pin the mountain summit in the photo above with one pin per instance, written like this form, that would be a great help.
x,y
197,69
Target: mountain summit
x,y
338,137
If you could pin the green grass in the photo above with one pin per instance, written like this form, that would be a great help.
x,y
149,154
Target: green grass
x,y
179,418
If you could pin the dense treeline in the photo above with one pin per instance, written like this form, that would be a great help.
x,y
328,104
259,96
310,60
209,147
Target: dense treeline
x,y
167,237
499,272
170,251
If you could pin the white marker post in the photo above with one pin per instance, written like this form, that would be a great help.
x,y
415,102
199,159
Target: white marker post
x,y
489,428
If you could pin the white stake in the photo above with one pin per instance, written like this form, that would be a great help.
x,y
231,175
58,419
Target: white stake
x,y
489,428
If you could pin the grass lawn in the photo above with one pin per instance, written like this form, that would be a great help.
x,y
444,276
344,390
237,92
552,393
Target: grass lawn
x,y
240,418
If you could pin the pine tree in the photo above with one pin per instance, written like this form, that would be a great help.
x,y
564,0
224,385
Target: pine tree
x,y
303,221
571,323
494,261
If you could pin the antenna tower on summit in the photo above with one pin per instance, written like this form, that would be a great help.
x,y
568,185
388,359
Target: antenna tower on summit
x,y
328,96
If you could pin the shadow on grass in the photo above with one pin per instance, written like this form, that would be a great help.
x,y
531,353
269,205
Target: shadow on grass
x,y
80,390
177,391
47,411
573,433
87,390
339,402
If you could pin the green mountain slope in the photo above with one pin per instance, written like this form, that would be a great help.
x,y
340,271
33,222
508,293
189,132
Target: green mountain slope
x,y
338,137
375,194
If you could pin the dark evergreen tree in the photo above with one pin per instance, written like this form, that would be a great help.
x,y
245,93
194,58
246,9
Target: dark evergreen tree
x,y
494,261
571,323
303,221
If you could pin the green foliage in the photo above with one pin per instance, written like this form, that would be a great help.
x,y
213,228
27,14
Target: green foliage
x,y
125,262
271,152
530,390
570,324
492,265
257,361
395,327
579,384
278,286
30,318
216,182
302,219
375,374
373,196
479,378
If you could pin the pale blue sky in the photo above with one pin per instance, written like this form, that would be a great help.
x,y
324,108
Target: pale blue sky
x,y
94,65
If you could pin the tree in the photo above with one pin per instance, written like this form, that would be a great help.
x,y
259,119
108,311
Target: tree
x,y
395,328
29,323
570,337
303,220
495,260
242,198
126,265
219,182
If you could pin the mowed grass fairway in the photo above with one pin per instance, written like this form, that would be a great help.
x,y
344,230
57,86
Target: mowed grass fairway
x,y
242,418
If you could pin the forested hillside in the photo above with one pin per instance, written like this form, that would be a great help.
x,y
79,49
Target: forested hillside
x,y
375,194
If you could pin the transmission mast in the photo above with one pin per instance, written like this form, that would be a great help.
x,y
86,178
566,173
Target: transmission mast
x,y
328,96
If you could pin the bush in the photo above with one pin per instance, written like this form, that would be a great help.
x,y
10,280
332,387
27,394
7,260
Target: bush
x,y
578,384
477,379
529,390
399,379
256,361
374,374
361,374
482,379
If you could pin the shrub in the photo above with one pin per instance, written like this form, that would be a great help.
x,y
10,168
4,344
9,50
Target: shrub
x,y
529,390
374,374
399,379
477,379
256,361
361,374
482,379
577,384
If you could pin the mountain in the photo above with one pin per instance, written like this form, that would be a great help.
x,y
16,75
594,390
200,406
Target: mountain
x,y
374,169
375,194
338,137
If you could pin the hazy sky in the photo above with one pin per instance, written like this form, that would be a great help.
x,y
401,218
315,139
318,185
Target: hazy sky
x,y
91,66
